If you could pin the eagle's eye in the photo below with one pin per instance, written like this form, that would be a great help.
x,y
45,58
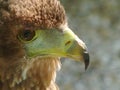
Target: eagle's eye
x,y
26,35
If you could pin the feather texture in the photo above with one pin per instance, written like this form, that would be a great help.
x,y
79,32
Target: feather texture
x,y
38,74
41,13
16,71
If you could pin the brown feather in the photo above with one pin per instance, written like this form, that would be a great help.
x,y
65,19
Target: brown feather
x,y
16,71
37,74
41,13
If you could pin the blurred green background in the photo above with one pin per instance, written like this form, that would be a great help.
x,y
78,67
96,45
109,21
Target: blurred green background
x,y
97,23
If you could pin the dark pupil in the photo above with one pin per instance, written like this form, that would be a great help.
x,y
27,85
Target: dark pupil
x,y
27,35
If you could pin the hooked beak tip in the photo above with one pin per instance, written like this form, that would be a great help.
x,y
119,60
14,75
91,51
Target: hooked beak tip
x,y
86,59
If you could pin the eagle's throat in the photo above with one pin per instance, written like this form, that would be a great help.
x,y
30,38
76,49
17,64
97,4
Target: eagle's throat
x,y
40,74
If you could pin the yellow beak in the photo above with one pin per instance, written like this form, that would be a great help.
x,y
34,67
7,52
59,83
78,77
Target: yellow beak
x,y
56,43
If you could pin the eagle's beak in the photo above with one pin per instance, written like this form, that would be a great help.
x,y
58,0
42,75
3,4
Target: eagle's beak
x,y
78,52
77,49
55,43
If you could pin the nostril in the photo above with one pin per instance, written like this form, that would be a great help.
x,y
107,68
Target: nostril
x,y
67,43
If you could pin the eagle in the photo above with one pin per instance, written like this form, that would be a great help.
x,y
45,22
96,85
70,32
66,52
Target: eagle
x,y
34,34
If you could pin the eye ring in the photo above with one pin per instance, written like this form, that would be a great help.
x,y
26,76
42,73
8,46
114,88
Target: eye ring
x,y
26,35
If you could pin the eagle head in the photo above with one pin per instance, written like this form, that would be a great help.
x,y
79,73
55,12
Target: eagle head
x,y
31,31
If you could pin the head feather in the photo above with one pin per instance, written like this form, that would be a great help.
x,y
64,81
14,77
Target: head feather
x,y
41,13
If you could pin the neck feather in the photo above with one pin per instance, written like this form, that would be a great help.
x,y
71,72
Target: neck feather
x,y
37,74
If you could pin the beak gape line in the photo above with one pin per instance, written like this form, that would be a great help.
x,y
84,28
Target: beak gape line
x,y
57,44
